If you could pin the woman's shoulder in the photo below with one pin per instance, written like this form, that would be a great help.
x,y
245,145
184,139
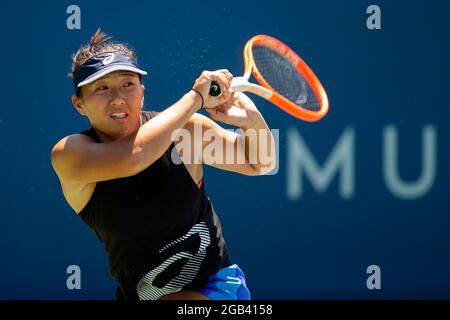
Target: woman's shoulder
x,y
67,148
88,133
81,137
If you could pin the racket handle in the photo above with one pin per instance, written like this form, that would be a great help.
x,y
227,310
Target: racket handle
x,y
215,91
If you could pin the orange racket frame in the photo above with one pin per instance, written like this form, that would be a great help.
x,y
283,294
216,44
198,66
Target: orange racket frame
x,y
288,106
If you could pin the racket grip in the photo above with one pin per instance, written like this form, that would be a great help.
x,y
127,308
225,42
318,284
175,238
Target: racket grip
x,y
215,91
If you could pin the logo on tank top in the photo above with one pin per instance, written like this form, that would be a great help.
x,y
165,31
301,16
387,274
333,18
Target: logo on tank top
x,y
148,291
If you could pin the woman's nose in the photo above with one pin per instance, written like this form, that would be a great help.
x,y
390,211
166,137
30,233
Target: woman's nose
x,y
117,98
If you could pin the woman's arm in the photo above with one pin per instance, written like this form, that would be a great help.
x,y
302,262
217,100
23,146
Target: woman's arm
x,y
79,159
250,151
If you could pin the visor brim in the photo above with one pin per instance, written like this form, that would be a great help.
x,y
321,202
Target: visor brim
x,y
108,70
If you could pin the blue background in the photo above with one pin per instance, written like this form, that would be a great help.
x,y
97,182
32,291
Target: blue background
x,y
314,247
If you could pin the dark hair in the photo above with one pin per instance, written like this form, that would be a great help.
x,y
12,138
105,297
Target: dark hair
x,y
99,43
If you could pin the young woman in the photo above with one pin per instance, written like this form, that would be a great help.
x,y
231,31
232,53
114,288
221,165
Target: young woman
x,y
158,226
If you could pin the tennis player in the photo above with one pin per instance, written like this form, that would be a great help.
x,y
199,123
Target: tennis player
x,y
158,226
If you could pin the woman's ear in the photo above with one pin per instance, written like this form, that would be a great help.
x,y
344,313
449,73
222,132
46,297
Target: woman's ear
x,y
76,101
143,96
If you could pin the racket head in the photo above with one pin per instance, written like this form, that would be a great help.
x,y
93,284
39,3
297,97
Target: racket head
x,y
295,87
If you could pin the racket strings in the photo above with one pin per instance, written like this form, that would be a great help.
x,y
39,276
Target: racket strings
x,y
281,75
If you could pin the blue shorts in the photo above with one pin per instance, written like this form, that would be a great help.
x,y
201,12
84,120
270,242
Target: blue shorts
x,y
227,284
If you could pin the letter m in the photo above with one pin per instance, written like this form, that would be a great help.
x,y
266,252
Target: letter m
x,y
300,162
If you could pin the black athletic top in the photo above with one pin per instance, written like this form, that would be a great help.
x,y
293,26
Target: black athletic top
x,y
159,228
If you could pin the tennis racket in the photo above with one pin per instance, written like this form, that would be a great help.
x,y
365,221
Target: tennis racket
x,y
284,79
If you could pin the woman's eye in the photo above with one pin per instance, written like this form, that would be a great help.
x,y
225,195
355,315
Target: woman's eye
x,y
101,88
127,84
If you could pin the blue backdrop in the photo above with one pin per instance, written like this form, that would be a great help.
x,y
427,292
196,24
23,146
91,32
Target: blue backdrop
x,y
293,238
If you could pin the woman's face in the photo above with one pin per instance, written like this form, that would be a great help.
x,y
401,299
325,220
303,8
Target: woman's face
x,y
112,104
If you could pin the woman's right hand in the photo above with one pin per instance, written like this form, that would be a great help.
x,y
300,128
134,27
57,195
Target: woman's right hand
x,y
203,84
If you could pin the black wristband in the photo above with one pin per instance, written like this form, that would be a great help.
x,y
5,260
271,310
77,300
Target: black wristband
x,y
203,101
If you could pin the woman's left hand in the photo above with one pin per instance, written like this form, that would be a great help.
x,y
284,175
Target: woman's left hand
x,y
238,111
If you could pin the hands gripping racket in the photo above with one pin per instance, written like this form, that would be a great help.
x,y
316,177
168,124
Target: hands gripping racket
x,y
284,78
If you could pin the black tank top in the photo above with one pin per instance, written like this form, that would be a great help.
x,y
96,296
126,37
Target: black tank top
x,y
158,227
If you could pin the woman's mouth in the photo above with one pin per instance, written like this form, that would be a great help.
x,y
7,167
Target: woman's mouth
x,y
118,115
